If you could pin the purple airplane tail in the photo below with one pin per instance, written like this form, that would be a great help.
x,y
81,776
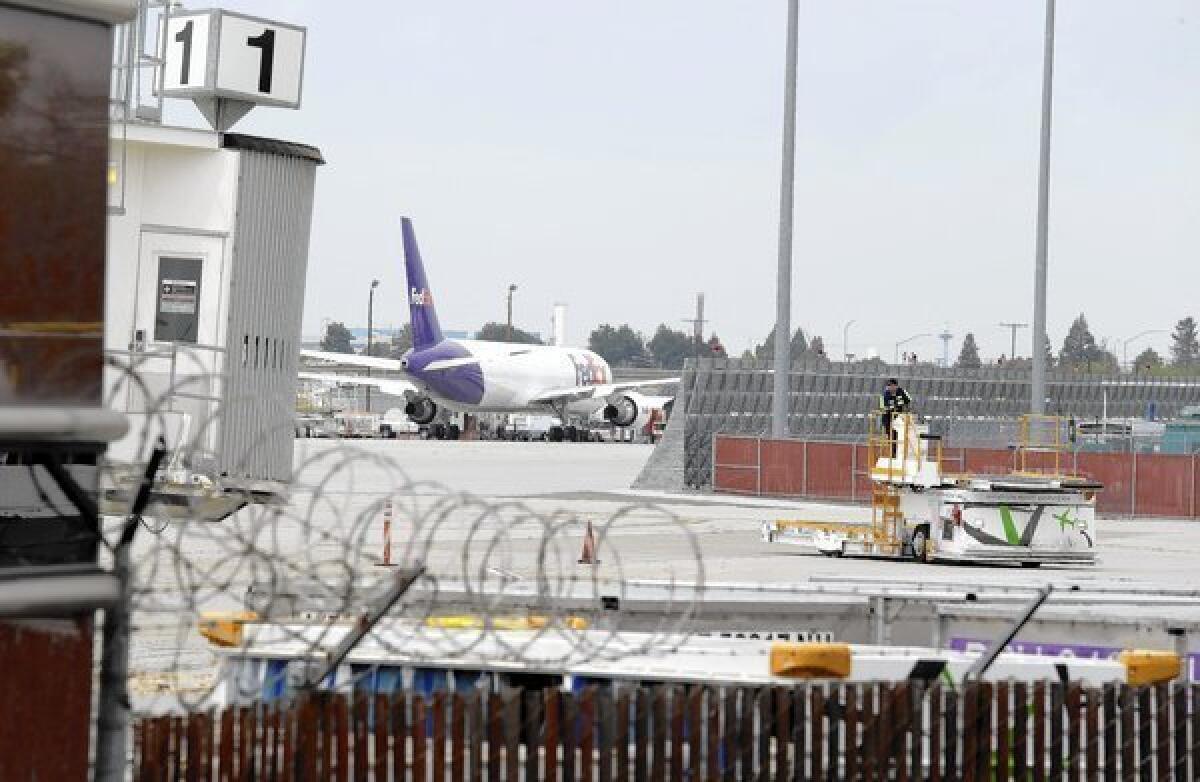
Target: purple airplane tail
x,y
426,332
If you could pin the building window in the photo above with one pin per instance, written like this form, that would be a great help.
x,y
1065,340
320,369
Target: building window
x,y
177,317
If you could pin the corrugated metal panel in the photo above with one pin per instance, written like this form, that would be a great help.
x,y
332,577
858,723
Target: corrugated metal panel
x,y
266,300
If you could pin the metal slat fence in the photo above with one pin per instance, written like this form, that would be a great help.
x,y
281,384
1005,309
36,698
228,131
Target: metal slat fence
x,y
901,731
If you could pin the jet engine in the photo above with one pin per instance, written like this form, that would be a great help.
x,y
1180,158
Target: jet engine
x,y
420,410
632,409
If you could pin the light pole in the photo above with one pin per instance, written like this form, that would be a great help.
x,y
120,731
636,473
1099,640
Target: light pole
x,y
370,324
1134,338
846,340
512,287
896,356
783,284
1013,326
1037,384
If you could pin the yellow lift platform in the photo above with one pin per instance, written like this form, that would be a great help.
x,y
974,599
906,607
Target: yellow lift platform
x,y
1031,515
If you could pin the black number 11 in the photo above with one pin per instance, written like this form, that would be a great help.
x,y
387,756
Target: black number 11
x,y
266,42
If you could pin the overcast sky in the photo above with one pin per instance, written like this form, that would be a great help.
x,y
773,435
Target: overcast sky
x,y
621,156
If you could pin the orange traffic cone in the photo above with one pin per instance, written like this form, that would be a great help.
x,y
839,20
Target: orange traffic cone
x,y
387,535
588,556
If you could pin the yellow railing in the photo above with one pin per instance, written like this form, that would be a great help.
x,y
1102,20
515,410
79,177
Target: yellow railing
x,y
884,446
1041,434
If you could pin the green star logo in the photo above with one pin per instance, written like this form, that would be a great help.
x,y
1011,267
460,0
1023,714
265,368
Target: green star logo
x,y
1064,520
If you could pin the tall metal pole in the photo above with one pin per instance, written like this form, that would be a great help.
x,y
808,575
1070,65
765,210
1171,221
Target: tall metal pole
x,y
370,325
1040,339
508,330
783,289
846,340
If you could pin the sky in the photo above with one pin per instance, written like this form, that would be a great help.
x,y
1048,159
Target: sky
x,y
622,156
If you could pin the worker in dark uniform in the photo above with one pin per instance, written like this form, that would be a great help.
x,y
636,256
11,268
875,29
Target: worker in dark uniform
x,y
892,402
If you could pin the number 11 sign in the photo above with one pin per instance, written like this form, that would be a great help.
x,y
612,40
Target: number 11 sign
x,y
219,54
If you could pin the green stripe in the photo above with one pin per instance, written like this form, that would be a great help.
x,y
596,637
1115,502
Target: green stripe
x,y
1010,528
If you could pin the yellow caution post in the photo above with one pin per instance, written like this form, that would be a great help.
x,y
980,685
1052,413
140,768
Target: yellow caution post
x,y
224,628
811,660
1150,666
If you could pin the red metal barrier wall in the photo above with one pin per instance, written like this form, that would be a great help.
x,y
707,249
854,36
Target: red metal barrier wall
x,y
1164,484
735,464
46,681
1115,471
782,466
1134,484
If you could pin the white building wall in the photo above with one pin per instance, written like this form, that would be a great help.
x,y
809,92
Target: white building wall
x,y
179,200
226,402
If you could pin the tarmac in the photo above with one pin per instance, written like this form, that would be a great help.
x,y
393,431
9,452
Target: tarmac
x,y
473,511
589,481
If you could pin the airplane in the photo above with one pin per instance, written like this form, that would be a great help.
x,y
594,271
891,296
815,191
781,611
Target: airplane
x,y
474,376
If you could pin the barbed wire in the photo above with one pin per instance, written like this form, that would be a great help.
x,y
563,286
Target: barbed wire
x,y
310,559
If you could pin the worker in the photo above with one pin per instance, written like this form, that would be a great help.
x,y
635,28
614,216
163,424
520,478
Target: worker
x,y
892,402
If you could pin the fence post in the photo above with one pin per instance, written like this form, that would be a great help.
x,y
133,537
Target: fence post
x,y
1133,484
712,462
804,460
113,708
758,469
853,472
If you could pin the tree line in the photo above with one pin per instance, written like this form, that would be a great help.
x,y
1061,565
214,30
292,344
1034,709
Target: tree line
x,y
1081,352
668,348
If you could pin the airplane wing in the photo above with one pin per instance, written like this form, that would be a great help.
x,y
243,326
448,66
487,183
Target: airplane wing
x,y
385,384
353,359
578,393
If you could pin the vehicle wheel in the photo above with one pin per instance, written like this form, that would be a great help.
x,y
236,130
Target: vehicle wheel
x,y
438,431
555,435
571,433
453,432
920,543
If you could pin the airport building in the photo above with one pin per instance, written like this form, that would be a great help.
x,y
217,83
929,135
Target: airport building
x,y
208,236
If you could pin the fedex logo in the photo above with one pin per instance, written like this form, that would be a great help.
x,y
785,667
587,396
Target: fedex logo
x,y
421,298
588,371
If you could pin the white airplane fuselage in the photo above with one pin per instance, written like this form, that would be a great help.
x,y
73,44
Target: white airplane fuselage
x,y
507,377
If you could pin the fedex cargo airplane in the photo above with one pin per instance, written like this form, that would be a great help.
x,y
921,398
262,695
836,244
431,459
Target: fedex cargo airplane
x,y
473,376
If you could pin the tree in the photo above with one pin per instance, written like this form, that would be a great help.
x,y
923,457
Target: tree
x,y
766,350
799,345
968,357
1147,361
1050,359
498,332
1185,348
395,347
337,338
1081,352
621,345
670,347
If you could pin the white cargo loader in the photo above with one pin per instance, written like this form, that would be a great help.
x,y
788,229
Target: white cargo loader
x,y
1024,517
